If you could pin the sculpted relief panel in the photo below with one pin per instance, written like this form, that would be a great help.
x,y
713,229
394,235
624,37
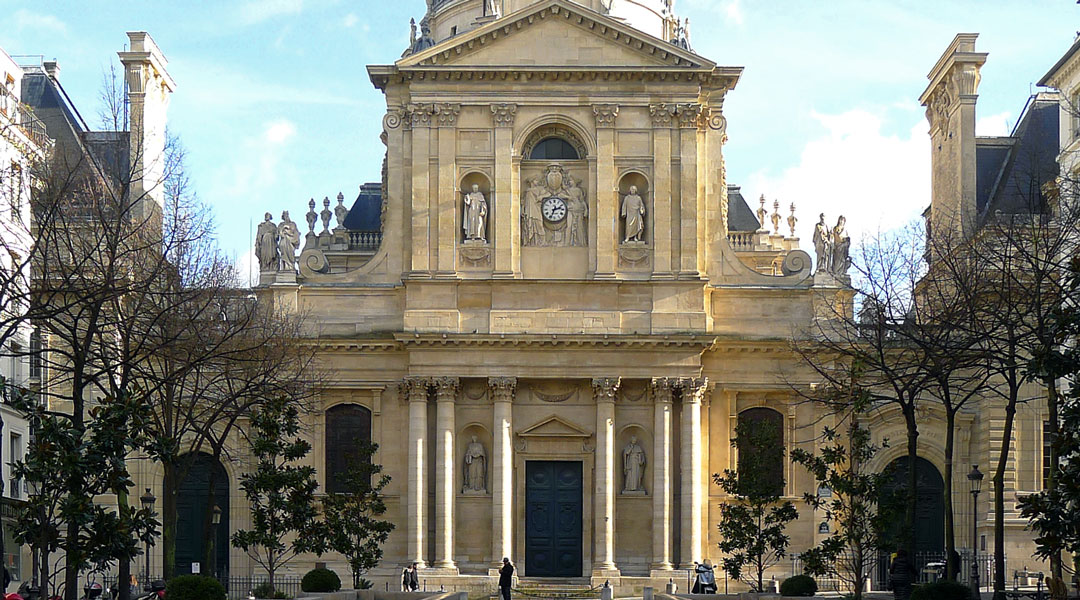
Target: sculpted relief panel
x,y
554,210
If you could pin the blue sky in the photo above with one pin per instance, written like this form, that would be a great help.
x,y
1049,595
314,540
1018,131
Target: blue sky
x,y
274,104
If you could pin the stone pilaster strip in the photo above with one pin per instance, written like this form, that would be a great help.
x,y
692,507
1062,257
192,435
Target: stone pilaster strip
x,y
662,539
502,492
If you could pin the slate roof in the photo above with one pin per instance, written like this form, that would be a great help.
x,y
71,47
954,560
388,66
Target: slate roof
x,y
1011,172
366,211
740,216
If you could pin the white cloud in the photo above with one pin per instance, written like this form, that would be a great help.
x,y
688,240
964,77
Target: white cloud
x,y
279,131
350,20
258,11
993,124
877,181
231,90
734,12
247,268
25,19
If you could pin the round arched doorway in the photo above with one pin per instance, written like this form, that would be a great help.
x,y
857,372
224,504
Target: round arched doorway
x,y
929,504
206,485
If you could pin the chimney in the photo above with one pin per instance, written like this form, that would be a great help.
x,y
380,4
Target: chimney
x,y
950,107
148,89
52,69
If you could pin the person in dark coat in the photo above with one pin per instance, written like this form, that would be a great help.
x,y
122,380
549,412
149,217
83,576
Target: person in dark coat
x,y
506,578
901,575
412,578
954,558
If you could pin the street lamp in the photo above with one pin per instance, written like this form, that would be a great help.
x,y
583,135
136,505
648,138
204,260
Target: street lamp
x,y
147,501
975,477
215,520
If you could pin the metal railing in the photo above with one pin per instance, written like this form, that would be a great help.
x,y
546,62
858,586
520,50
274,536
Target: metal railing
x,y
23,117
928,565
236,588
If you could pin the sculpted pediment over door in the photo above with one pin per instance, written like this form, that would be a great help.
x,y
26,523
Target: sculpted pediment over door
x,y
554,426
556,33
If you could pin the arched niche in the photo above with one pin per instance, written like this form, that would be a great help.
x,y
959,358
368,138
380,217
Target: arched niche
x,y
483,184
465,439
640,181
622,444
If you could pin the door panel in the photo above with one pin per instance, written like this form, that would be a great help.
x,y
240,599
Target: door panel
x,y
553,505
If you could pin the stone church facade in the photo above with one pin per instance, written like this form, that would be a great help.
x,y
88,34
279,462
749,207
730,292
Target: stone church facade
x,y
559,308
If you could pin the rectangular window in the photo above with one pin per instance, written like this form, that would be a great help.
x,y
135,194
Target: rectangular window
x,y
1046,453
16,192
35,355
15,489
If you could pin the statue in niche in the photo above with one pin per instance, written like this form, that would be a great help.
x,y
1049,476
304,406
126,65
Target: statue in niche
x,y
554,210
822,244
633,213
534,220
633,467
476,211
266,244
841,247
576,235
288,242
475,468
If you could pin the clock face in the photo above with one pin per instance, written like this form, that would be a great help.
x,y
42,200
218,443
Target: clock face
x,y
554,209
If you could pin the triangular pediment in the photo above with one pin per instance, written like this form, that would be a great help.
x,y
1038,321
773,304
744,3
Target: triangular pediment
x,y
555,426
556,34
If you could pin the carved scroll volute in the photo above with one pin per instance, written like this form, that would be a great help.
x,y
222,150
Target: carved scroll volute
x,y
662,390
393,118
693,389
503,388
605,388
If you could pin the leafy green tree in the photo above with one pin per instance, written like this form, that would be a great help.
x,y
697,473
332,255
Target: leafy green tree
x,y
857,506
280,490
752,525
353,526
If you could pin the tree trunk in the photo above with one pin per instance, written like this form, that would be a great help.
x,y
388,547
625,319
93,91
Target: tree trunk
x,y
1051,478
951,567
44,575
123,576
999,499
170,488
912,497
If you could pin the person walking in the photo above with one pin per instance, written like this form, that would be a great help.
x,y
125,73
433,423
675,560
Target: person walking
x,y
506,578
901,575
410,579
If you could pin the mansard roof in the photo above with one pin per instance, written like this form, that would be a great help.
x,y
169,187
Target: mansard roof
x,y
516,43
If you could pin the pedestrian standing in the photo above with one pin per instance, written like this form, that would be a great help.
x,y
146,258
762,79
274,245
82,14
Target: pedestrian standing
x,y
901,575
506,578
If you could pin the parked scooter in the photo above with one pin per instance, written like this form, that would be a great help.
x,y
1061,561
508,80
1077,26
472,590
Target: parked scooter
x,y
93,591
156,591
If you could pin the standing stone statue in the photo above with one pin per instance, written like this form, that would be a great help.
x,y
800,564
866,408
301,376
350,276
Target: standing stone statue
x,y
288,243
841,248
578,208
534,219
475,468
633,212
822,244
266,244
633,467
476,211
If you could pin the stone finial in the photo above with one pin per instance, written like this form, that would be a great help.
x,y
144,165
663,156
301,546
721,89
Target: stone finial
x,y
311,216
340,212
326,214
792,220
776,217
762,212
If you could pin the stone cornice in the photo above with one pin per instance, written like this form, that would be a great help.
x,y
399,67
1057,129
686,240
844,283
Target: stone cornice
x,y
719,77
435,340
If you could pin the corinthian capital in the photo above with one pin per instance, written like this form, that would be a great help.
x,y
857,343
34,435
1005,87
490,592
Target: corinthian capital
x,y
502,388
447,114
415,389
693,389
689,115
420,114
605,114
503,114
446,388
605,388
662,388
663,115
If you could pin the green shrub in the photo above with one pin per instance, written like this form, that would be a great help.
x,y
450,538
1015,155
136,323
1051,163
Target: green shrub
x,y
366,584
194,587
265,590
941,590
798,585
320,580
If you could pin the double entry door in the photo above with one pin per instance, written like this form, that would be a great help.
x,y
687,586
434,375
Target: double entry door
x,y
553,505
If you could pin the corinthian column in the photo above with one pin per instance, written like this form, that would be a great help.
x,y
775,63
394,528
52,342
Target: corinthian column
x,y
661,462
502,490
416,391
604,527
693,391
446,392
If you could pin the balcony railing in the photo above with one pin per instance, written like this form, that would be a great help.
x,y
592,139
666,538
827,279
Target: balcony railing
x,y
365,240
741,241
23,117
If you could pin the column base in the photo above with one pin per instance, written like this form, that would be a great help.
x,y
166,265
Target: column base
x,y
662,569
441,570
604,572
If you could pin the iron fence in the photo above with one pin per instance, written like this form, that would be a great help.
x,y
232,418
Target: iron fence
x,y
236,587
930,566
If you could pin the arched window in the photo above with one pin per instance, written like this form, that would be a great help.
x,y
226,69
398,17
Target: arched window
x,y
347,426
553,148
760,443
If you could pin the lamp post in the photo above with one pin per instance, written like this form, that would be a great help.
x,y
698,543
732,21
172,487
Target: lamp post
x,y
975,477
215,520
147,501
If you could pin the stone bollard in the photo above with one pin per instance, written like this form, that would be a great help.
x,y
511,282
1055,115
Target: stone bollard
x,y
647,593
672,587
607,592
